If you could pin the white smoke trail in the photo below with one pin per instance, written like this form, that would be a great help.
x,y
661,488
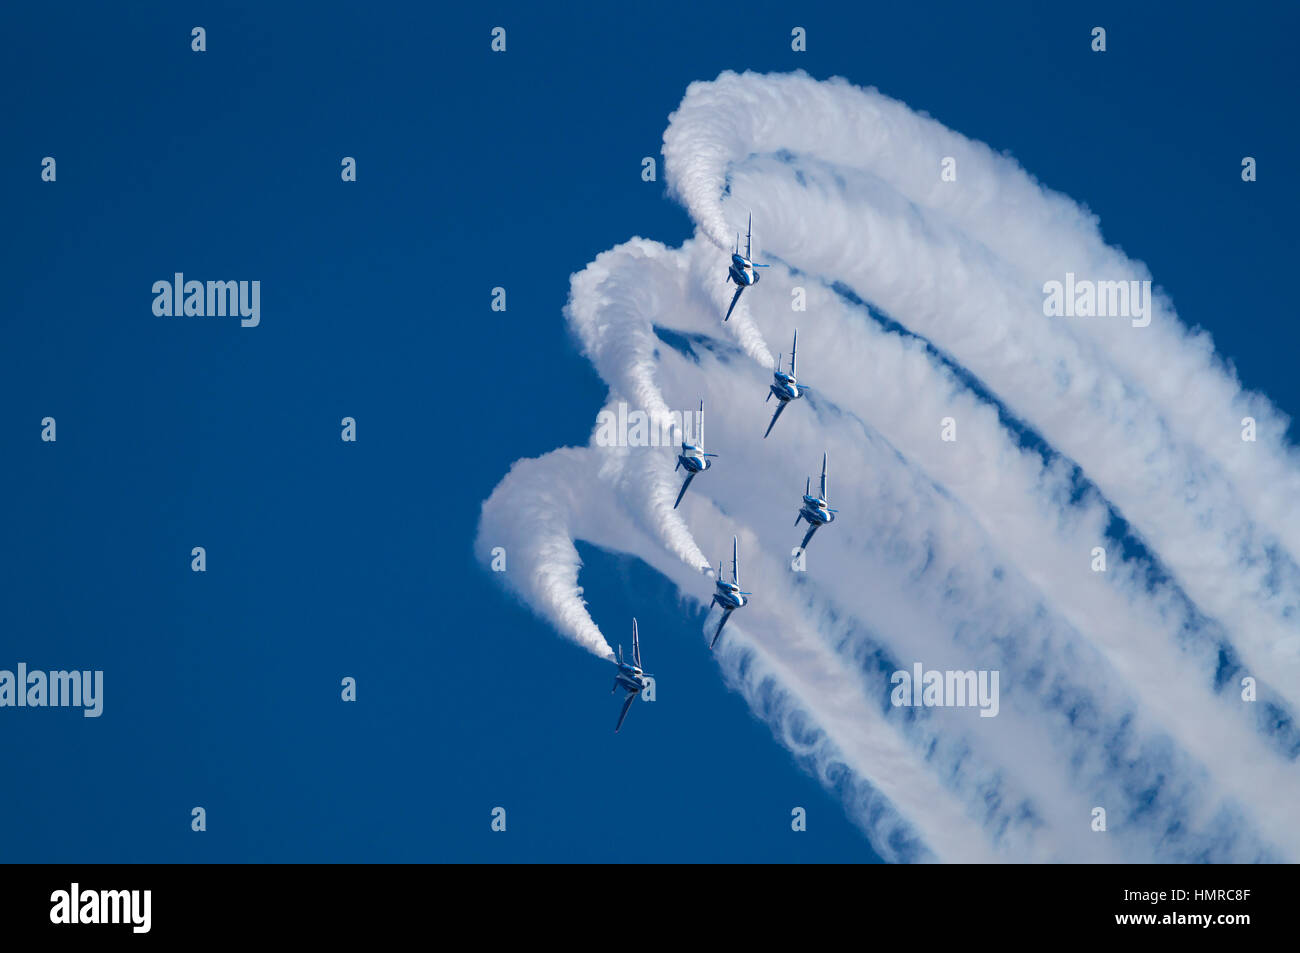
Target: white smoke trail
x,y
784,670
531,519
1016,500
900,234
1051,236
605,315
966,555
856,580
782,665
734,445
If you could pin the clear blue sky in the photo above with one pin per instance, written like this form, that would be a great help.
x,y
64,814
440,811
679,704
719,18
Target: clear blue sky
x,y
327,559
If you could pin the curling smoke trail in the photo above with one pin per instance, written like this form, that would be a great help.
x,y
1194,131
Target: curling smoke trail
x,y
1160,439
971,554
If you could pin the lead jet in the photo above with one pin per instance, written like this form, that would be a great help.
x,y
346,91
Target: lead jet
x,y
784,387
728,594
630,678
741,270
693,459
815,509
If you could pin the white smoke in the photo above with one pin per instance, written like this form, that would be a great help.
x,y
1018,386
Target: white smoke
x,y
962,264
972,554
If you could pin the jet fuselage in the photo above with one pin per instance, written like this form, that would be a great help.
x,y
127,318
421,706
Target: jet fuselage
x,y
784,387
630,678
729,595
816,511
742,271
693,458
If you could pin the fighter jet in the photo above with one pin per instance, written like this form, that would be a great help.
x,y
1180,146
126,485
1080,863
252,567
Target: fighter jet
x,y
784,387
630,678
814,508
728,594
693,458
741,270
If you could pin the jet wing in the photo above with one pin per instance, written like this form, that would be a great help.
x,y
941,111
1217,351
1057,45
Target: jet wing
x,y
774,416
627,703
689,478
734,299
726,614
812,528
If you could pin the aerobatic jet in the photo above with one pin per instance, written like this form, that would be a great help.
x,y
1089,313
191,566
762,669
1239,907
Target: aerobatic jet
x,y
630,678
728,594
741,270
693,459
815,509
784,387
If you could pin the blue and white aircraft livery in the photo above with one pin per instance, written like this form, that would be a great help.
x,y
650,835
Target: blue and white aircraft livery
x,y
729,594
630,678
815,508
742,268
784,387
693,458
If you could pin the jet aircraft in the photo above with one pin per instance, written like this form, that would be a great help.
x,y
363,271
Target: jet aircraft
x,y
728,594
815,508
630,678
784,387
693,459
741,270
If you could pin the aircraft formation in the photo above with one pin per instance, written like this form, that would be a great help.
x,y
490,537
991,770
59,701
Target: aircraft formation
x,y
816,511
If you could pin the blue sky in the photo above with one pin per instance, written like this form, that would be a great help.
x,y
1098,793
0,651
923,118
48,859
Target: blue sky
x,y
328,559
